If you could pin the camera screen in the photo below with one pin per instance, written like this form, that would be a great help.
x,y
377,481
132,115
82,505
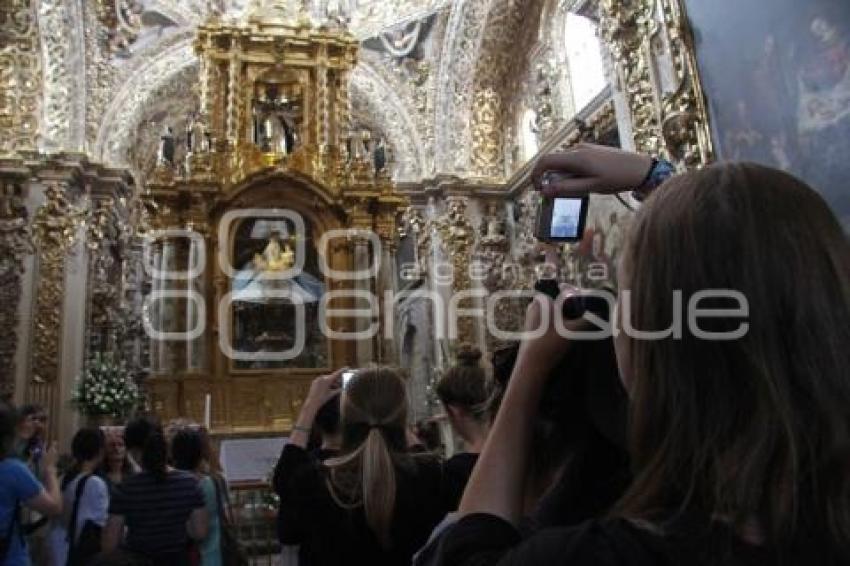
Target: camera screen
x,y
566,216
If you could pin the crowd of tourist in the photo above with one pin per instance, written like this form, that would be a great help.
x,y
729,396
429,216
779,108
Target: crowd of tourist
x,y
703,445
137,495
697,446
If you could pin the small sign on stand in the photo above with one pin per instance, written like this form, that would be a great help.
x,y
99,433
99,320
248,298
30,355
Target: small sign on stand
x,y
249,459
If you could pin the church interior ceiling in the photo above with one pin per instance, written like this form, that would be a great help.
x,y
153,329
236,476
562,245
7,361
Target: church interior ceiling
x,y
435,76
437,104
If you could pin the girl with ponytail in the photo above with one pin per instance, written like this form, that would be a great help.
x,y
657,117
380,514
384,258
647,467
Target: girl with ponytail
x,y
374,504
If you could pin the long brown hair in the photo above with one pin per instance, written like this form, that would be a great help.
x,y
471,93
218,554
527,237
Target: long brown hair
x,y
755,429
374,442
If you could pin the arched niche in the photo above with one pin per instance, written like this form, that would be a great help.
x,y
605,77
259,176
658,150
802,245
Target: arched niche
x,y
262,397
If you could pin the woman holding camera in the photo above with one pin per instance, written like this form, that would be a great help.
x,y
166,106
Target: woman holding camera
x,y
374,504
740,433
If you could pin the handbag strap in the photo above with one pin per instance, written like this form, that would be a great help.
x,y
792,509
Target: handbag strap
x,y
222,501
72,527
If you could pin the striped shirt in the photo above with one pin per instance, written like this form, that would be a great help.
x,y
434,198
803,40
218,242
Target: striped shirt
x,y
156,512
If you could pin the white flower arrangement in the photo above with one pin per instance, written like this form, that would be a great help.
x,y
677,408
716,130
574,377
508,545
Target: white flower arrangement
x,y
106,387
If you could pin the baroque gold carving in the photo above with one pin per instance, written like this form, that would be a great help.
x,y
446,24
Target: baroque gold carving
x,y
487,139
15,244
492,254
670,122
684,117
457,238
20,76
627,28
122,20
55,228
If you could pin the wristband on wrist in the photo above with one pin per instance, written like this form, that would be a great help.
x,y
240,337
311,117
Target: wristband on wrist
x,y
660,171
304,429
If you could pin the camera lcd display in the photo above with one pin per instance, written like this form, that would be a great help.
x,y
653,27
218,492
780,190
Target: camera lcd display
x,y
561,219
566,218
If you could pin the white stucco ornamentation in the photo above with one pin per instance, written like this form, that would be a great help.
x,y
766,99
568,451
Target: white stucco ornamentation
x,y
61,33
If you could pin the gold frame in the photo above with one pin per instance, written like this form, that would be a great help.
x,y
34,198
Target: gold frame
x,y
671,122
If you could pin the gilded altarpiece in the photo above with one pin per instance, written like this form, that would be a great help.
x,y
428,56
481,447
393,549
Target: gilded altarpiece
x,y
259,230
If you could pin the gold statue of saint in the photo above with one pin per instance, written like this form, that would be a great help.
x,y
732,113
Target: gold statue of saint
x,y
276,256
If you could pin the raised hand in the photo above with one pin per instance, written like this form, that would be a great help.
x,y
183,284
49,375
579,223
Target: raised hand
x,y
589,168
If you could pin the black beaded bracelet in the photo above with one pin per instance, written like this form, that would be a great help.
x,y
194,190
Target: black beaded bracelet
x,y
660,171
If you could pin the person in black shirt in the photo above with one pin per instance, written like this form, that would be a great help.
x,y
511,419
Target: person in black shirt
x,y
463,390
739,428
325,440
160,507
377,502
326,430
578,463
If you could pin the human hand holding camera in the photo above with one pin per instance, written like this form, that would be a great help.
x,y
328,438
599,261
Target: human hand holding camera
x,y
589,168
322,390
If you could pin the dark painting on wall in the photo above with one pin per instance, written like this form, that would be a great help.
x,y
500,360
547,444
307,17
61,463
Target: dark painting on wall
x,y
777,78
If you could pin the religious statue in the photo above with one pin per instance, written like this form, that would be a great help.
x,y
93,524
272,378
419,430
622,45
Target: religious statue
x,y
265,279
337,12
165,155
493,227
379,156
358,145
197,138
824,79
274,125
275,257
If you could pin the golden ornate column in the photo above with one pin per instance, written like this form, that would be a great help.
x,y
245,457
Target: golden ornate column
x,y
487,138
15,246
234,99
457,238
56,227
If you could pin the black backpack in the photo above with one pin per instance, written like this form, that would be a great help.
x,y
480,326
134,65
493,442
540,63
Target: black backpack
x,y
83,548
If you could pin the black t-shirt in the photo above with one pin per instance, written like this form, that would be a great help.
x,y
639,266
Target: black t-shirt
x,y
156,512
331,535
482,539
456,472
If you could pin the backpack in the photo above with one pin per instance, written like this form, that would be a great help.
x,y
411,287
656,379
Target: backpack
x,y
83,548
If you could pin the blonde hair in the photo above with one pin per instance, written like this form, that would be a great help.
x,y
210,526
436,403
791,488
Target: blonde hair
x,y
373,421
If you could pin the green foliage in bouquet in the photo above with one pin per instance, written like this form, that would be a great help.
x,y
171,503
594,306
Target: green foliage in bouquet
x,y
106,387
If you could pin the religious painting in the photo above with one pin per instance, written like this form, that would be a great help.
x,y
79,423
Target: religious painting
x,y
266,293
778,86
592,263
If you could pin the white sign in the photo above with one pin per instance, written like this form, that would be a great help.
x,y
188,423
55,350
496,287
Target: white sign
x,y
250,459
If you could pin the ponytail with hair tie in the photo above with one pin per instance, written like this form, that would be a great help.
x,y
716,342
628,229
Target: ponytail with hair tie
x,y
374,418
